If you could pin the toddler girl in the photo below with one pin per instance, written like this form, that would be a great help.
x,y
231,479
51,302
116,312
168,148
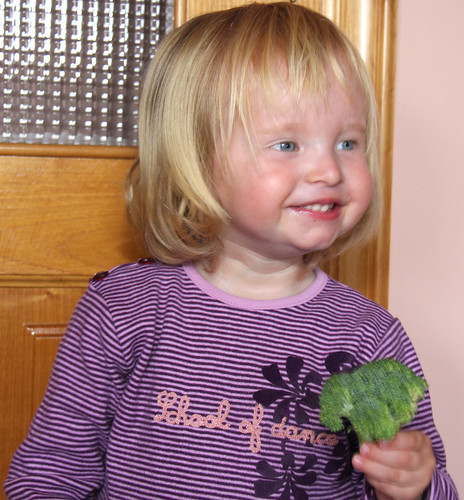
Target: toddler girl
x,y
196,373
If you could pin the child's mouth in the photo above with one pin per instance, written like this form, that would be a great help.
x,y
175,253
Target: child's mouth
x,y
319,211
319,207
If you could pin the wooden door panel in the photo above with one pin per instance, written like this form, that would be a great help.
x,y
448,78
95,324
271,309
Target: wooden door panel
x,y
32,322
42,341
62,216
62,220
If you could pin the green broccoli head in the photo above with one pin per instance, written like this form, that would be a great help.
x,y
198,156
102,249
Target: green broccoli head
x,y
377,398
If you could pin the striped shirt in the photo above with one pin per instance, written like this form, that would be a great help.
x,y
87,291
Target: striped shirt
x,y
165,387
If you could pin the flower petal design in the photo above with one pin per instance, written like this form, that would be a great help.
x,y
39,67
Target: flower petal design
x,y
290,482
272,374
301,416
298,493
288,460
333,466
310,462
312,378
311,399
282,410
266,470
307,479
267,397
294,365
286,493
339,361
265,489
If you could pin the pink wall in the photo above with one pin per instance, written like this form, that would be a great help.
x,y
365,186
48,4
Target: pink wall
x,y
427,240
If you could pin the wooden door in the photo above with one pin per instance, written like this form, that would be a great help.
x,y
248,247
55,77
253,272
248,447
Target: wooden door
x,y
63,219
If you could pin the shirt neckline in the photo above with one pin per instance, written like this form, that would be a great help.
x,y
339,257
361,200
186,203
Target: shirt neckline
x,y
312,291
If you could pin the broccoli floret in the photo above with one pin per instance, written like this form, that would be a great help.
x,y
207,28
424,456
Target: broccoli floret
x,y
377,398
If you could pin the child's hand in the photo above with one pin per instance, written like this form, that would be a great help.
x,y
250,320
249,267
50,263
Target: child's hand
x,y
400,469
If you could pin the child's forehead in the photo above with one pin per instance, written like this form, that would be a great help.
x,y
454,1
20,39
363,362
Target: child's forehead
x,y
280,99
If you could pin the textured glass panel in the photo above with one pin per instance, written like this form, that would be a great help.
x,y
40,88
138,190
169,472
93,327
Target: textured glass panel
x,y
70,70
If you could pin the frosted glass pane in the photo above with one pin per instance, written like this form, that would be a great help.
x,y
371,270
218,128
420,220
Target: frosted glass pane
x,y
70,70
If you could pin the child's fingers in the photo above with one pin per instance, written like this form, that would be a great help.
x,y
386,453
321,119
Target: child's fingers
x,y
408,450
390,482
401,468
407,454
386,491
382,472
407,440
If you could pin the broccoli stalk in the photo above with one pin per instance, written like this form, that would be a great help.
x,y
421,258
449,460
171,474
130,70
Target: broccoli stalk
x,y
377,398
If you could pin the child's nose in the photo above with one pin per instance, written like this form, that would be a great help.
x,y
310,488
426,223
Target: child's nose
x,y
324,167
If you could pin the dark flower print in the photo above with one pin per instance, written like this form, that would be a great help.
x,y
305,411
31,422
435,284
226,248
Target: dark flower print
x,y
340,361
293,390
289,481
342,453
338,461
302,395
341,462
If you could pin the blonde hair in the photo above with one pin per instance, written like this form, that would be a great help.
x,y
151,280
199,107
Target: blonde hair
x,y
196,87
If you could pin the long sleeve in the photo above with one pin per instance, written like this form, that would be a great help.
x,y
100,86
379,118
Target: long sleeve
x,y
396,344
442,487
63,455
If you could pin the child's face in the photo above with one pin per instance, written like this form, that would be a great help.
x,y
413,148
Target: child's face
x,y
303,181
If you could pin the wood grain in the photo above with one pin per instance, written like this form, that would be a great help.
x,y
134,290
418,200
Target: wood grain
x,y
31,323
62,216
62,220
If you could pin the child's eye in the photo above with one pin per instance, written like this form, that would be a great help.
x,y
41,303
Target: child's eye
x,y
286,146
346,145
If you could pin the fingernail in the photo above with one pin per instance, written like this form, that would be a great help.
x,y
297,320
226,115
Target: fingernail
x,y
357,461
364,449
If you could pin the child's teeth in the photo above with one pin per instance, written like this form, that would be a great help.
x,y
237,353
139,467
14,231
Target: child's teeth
x,y
320,208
